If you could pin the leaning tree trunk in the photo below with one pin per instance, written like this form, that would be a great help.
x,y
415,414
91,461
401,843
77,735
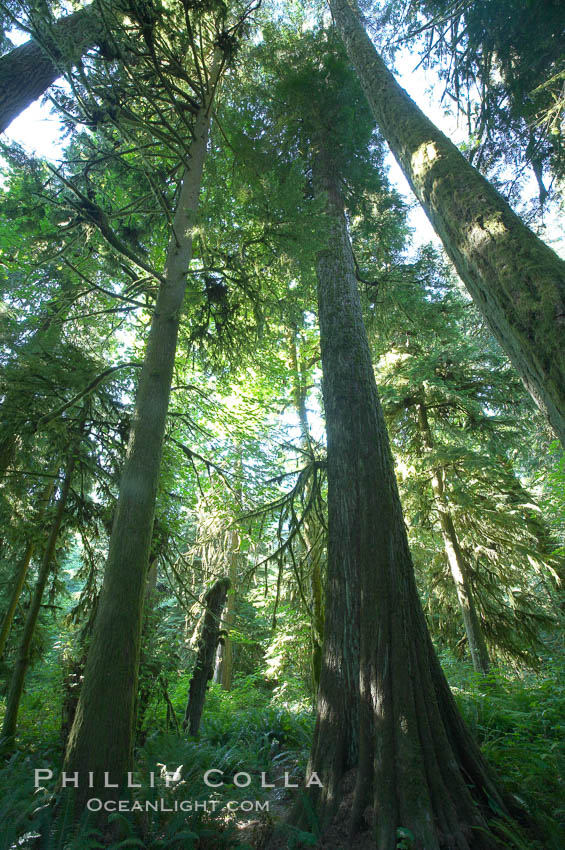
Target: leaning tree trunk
x,y
103,731
455,558
516,280
418,765
23,658
203,670
27,71
22,568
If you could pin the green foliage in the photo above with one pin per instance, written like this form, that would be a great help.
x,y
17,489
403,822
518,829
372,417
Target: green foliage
x,y
520,724
456,411
242,730
502,62
405,838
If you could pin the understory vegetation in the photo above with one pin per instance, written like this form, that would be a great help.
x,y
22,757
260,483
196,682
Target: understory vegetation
x,y
518,719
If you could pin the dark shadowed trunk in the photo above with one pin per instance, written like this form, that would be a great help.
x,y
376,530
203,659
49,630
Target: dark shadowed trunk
x,y
418,766
27,71
102,735
203,670
456,558
23,657
516,280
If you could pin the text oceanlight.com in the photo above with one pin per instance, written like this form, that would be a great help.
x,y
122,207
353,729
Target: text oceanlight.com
x,y
95,804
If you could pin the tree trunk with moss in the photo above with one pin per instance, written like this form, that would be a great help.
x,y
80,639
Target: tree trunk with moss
x,y
455,558
203,670
418,766
27,71
103,730
23,658
22,569
516,280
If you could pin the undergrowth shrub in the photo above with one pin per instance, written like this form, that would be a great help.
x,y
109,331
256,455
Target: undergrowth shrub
x,y
519,722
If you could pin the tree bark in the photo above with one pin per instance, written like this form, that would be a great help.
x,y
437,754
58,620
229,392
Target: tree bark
x,y
335,744
27,71
21,571
102,735
225,660
203,670
516,280
23,659
418,766
455,558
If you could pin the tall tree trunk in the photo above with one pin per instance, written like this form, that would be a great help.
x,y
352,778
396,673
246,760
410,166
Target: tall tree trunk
x,y
516,280
455,558
23,659
27,71
225,658
335,744
203,671
22,568
418,765
102,735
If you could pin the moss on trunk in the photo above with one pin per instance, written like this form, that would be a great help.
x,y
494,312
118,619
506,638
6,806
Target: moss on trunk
x,y
516,280
27,71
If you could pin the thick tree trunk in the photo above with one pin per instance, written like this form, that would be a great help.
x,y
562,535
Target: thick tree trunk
x,y
28,71
317,596
102,735
203,670
335,744
456,559
516,280
23,659
418,766
22,568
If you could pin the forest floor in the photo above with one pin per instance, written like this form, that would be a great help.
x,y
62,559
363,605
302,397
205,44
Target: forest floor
x,y
519,722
